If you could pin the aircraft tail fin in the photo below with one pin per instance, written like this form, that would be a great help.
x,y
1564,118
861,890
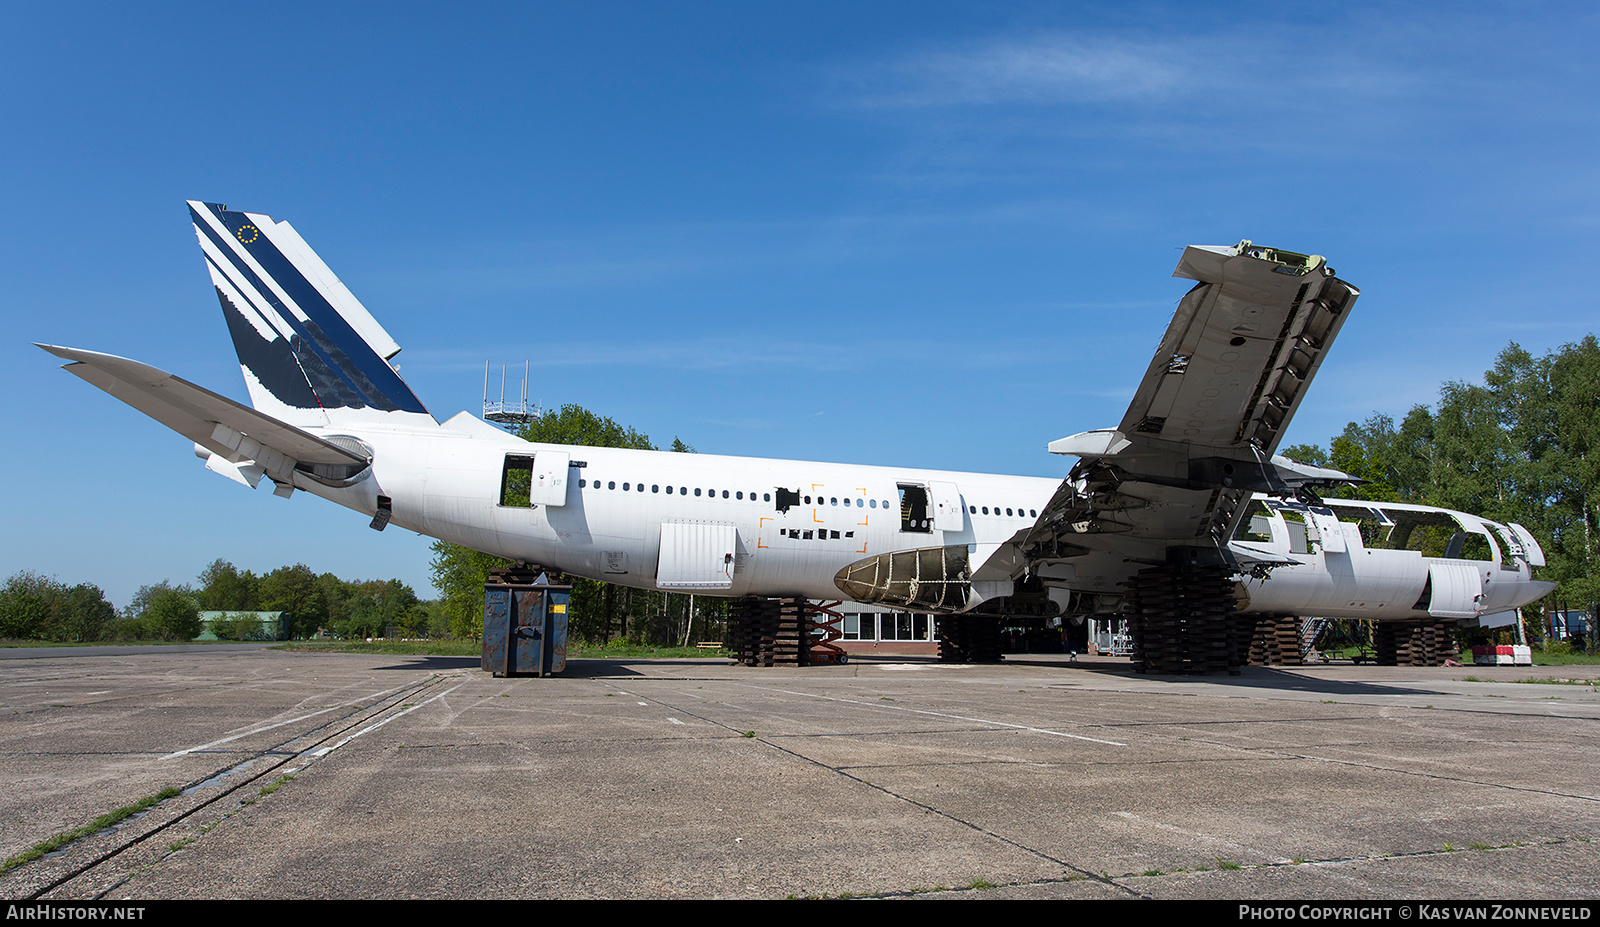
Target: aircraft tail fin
x,y
311,354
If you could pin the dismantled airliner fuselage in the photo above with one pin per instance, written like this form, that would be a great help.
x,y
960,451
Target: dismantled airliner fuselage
x,y
1183,502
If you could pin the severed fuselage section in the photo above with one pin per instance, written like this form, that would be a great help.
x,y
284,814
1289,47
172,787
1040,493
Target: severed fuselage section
x,y
1333,558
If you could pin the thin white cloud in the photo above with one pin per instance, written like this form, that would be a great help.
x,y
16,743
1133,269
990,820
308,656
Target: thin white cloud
x,y
1270,69
1047,68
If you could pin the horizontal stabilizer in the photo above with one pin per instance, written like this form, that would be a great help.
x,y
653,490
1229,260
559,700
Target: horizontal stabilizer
x,y
226,428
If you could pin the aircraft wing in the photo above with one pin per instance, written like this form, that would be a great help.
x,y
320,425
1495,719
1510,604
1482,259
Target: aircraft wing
x,y
234,433
1166,485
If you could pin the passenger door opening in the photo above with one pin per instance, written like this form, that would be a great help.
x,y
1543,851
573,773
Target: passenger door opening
x,y
516,482
914,508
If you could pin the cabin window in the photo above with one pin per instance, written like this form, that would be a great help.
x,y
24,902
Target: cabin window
x,y
611,484
656,487
516,481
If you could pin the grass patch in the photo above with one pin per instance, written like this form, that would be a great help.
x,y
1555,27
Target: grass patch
x,y
276,785
12,642
472,648
100,823
621,648
1541,658
1546,681
462,648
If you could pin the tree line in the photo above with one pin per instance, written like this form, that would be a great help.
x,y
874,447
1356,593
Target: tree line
x,y
598,612
1523,446
34,607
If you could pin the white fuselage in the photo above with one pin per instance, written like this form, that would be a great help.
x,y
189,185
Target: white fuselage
x,y
446,482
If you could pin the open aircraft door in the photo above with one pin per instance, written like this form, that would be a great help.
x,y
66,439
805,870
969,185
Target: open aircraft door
x,y
1457,590
549,478
1329,531
947,514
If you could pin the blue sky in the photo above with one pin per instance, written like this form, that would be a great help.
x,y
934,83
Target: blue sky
x,y
923,234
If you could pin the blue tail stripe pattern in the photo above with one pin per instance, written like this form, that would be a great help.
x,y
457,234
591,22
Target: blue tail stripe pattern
x,y
324,353
331,387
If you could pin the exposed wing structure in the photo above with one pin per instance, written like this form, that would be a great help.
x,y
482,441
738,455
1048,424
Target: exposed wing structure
x,y
1166,485
242,443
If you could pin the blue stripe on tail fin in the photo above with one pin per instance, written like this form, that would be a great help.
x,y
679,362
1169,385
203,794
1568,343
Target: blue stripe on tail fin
x,y
303,339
